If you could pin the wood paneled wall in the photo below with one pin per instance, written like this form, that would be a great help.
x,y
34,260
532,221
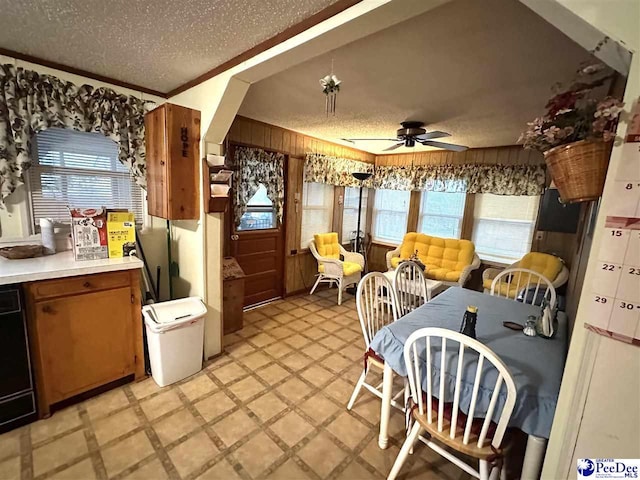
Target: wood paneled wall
x,y
510,155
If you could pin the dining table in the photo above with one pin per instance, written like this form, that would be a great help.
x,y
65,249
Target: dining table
x,y
536,363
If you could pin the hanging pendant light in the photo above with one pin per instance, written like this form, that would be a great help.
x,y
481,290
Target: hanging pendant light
x,y
330,87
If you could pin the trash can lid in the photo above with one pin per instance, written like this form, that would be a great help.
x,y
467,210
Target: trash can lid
x,y
173,312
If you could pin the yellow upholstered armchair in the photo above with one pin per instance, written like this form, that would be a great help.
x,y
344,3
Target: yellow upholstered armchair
x,y
447,260
331,268
549,266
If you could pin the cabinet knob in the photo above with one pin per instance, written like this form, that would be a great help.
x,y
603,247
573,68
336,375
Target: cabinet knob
x,y
47,309
161,162
86,285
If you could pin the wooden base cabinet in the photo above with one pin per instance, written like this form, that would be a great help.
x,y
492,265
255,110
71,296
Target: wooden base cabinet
x,y
86,332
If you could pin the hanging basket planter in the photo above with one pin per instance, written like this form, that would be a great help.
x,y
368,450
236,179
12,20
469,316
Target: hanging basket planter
x,y
579,169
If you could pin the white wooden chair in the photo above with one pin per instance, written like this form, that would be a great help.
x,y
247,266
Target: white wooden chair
x,y
531,286
377,306
410,286
457,432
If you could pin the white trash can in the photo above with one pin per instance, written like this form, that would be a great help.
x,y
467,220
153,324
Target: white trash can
x,y
175,336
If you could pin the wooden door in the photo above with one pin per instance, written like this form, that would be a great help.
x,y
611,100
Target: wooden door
x,y
260,255
85,341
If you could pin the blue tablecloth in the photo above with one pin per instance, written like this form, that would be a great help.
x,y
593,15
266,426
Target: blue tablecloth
x,y
536,364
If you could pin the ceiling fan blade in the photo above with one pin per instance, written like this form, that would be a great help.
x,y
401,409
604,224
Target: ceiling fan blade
x,y
393,147
352,140
446,146
434,134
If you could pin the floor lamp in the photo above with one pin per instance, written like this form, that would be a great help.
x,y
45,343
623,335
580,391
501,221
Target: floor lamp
x,y
362,176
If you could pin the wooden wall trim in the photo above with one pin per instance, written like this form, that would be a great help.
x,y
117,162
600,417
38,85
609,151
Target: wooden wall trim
x,y
78,71
506,155
306,24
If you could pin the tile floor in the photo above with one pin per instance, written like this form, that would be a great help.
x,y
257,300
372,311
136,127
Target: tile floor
x,y
272,407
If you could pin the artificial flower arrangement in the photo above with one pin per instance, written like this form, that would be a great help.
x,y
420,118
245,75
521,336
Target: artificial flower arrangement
x,y
576,134
574,113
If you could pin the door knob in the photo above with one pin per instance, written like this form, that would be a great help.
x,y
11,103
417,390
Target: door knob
x,y
234,237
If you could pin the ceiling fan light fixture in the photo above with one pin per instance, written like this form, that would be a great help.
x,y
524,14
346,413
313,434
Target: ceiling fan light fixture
x,y
362,176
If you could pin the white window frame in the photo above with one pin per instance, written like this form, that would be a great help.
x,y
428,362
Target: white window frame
x,y
304,242
376,211
422,215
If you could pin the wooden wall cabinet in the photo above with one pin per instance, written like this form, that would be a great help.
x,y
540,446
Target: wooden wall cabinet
x,y
85,332
172,138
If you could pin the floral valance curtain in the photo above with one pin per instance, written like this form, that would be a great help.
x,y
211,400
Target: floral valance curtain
x,y
335,171
469,178
252,167
31,102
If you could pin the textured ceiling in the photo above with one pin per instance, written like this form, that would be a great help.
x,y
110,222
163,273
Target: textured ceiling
x,y
476,69
158,44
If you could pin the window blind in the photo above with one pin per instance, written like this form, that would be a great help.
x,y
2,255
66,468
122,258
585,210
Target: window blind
x,y
350,212
79,169
503,226
441,214
390,215
317,211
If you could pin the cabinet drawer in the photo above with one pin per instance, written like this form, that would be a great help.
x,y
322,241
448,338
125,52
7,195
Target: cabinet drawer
x,y
77,285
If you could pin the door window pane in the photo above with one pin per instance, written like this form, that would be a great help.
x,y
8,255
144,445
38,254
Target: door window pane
x,y
390,214
260,214
441,214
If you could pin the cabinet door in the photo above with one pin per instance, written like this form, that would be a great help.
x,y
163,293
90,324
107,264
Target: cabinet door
x,y
157,162
85,341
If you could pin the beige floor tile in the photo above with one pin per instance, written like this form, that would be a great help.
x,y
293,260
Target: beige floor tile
x,y
317,375
289,470
126,453
231,339
253,316
353,353
145,388
58,423
368,407
273,374
220,471
296,361
319,408
299,312
270,311
278,349
175,426
10,469
331,326
258,454
262,340
314,333
192,454
59,452
116,425
229,372
267,406
332,342
151,471
80,471
106,403
381,460
315,351
281,332
336,362
198,386
268,324
160,404
250,330
349,430
284,318
255,360
340,390
247,388
355,471
292,428
293,390
299,325
234,427
240,349
326,314
300,301
322,455
297,341
10,444
313,307
214,406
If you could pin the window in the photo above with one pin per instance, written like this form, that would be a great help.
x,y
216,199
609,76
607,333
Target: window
x,y
317,210
503,226
441,214
260,213
390,213
79,169
350,212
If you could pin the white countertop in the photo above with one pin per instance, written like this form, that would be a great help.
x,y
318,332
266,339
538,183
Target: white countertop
x,y
58,266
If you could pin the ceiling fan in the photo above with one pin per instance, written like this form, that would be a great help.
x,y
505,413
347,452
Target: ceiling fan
x,y
411,133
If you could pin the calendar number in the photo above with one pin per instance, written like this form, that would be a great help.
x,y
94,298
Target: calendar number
x,y
616,233
634,271
627,306
628,186
601,299
608,267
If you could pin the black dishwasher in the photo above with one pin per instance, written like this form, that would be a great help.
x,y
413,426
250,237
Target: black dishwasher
x,y
17,398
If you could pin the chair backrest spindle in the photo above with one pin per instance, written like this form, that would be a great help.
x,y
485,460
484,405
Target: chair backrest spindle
x,y
410,286
521,282
376,304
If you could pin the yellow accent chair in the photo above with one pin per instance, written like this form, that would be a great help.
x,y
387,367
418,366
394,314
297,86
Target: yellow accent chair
x,y
549,266
331,269
448,260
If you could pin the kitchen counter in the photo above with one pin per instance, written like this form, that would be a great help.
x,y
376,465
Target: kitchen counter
x,y
60,265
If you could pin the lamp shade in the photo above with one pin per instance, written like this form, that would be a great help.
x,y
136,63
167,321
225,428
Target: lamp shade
x,y
362,176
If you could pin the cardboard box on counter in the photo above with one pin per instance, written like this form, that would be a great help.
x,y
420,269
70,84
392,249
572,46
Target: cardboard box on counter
x,y
121,233
89,233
